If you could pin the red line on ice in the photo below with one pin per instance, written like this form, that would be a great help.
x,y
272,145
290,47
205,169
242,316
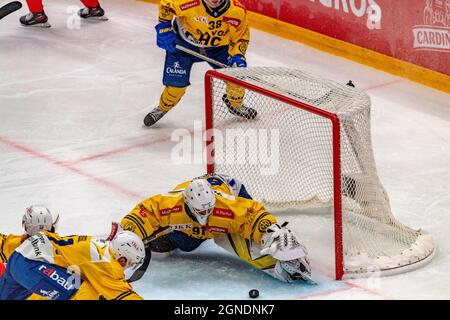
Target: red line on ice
x,y
348,285
125,149
121,150
371,291
69,167
384,84
322,293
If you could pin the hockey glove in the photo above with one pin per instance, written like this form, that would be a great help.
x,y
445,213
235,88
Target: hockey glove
x,y
237,61
165,36
282,244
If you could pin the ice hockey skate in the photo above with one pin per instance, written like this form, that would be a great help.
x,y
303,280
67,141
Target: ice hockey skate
x,y
95,13
242,111
35,19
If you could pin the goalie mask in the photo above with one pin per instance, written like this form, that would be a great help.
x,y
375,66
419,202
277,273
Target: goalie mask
x,y
38,218
214,3
128,249
200,199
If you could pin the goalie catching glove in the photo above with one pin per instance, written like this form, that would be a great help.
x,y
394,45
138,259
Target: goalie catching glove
x,y
284,245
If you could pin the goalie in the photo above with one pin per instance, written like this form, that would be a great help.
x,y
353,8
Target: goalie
x,y
217,29
199,210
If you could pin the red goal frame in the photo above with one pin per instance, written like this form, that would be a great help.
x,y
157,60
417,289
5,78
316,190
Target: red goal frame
x,y
335,122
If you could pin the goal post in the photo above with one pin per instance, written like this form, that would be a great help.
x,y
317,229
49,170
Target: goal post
x,y
317,132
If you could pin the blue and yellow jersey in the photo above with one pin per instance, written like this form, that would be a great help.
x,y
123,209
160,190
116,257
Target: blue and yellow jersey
x,y
205,27
89,257
231,214
9,243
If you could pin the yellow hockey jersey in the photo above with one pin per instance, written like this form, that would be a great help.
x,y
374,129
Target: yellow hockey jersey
x,y
86,255
9,243
231,214
206,27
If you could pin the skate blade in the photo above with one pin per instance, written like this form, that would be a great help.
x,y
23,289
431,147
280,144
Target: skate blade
x,y
104,18
38,25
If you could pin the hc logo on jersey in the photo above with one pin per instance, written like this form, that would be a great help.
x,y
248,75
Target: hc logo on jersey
x,y
176,69
203,20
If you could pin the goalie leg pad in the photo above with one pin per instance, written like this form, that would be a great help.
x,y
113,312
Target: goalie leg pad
x,y
246,250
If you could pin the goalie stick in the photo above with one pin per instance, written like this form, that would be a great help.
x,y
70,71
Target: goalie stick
x,y
115,228
9,8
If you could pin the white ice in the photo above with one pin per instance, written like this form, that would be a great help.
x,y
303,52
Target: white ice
x,y
72,101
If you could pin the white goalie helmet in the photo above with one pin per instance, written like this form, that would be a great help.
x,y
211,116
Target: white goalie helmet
x,y
200,198
214,3
128,245
38,218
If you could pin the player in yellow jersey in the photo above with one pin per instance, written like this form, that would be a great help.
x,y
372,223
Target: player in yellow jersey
x,y
36,218
55,267
199,210
217,29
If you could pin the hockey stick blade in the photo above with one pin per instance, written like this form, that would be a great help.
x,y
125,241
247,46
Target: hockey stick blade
x,y
155,236
9,8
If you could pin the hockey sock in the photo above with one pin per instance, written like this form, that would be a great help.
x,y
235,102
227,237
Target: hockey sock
x,y
90,3
170,97
35,6
235,95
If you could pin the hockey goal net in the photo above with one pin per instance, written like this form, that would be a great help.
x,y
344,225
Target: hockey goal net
x,y
309,152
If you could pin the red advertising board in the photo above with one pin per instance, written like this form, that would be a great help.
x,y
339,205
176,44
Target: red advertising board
x,y
416,31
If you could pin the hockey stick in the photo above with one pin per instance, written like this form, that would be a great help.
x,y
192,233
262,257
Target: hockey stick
x,y
156,235
9,8
201,56
115,227
319,100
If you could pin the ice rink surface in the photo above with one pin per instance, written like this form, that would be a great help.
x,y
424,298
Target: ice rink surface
x,y
72,101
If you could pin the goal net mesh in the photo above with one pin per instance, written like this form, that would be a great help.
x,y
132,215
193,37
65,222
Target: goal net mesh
x,y
284,157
